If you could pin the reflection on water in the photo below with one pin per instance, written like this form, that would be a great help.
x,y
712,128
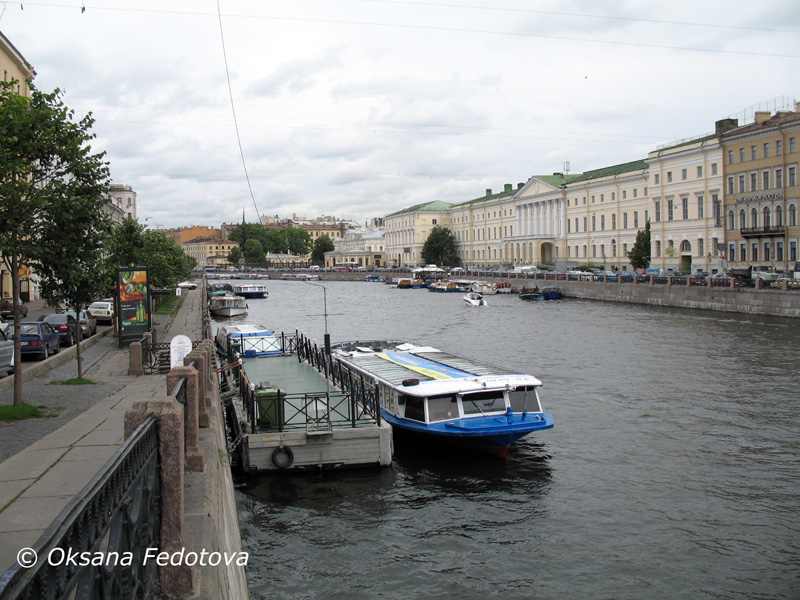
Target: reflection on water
x,y
671,471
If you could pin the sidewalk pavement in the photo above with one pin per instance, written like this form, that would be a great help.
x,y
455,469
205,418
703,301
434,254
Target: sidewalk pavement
x,y
50,468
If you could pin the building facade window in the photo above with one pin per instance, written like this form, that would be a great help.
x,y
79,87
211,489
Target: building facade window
x,y
669,210
685,207
765,180
658,211
700,210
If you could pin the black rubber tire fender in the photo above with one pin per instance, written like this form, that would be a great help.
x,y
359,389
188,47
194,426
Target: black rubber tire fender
x,y
283,457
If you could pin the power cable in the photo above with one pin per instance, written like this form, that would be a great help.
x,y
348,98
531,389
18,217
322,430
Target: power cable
x,y
233,110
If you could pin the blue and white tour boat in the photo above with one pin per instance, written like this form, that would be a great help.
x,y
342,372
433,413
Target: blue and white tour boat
x,y
445,397
251,290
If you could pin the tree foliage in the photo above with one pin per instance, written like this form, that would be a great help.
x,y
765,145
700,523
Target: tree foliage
x,y
440,248
639,254
253,251
52,188
274,241
133,244
322,245
235,256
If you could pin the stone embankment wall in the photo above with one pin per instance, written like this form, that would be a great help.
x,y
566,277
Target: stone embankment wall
x,y
766,301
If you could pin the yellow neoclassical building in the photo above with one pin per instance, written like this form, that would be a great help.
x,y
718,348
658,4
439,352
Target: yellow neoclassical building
x,y
407,230
761,191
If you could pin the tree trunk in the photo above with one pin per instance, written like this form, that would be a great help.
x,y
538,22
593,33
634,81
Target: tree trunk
x,y
17,336
78,337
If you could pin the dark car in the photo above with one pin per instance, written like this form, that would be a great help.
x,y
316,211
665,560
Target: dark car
x,y
39,339
7,309
6,353
66,326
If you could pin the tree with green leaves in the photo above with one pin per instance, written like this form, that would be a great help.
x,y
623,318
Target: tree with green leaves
x,y
132,244
253,252
298,241
639,254
69,256
440,247
322,245
49,177
235,256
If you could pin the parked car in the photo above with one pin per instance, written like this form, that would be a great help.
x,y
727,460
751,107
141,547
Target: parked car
x,y
39,339
7,309
187,285
87,322
3,324
6,353
66,326
102,311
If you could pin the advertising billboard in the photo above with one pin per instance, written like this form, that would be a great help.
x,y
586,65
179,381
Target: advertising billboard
x,y
133,304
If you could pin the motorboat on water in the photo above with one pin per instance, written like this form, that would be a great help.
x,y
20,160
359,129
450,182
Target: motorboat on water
x,y
475,299
251,290
447,398
227,305
247,339
551,292
531,293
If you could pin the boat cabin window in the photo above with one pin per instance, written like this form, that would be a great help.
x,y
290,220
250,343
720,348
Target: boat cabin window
x,y
483,402
415,408
441,408
524,399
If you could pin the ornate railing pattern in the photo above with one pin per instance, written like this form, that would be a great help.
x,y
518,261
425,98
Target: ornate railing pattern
x,y
115,517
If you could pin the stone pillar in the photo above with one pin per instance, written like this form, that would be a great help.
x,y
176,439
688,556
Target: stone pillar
x,y
174,580
195,458
759,283
135,359
785,284
200,357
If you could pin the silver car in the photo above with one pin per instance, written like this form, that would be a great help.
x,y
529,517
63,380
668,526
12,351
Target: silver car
x,y
87,321
6,352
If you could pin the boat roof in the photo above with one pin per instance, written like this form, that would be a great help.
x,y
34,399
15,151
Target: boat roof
x,y
245,329
436,372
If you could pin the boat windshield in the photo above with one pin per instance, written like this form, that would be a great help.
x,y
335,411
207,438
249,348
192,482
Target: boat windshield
x,y
524,399
441,408
484,402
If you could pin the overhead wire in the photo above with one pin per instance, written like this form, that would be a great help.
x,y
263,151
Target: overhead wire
x,y
233,110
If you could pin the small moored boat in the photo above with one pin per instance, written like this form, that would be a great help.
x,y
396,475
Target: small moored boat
x,y
532,293
251,290
551,292
227,306
247,339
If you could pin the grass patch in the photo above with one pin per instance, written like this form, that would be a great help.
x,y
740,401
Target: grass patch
x,y
20,413
169,305
74,381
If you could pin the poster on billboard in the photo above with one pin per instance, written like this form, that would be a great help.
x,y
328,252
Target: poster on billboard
x,y
133,302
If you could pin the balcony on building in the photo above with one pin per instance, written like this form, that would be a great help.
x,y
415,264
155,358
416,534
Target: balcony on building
x,y
765,231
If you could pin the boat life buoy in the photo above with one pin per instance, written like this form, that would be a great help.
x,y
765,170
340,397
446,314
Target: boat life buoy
x,y
282,457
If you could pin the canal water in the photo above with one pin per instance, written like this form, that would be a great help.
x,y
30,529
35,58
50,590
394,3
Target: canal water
x,y
673,470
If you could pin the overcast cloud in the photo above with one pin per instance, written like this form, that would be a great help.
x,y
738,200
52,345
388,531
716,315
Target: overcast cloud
x,y
358,108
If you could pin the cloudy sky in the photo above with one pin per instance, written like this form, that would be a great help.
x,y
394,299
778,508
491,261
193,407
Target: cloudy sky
x,y
358,108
